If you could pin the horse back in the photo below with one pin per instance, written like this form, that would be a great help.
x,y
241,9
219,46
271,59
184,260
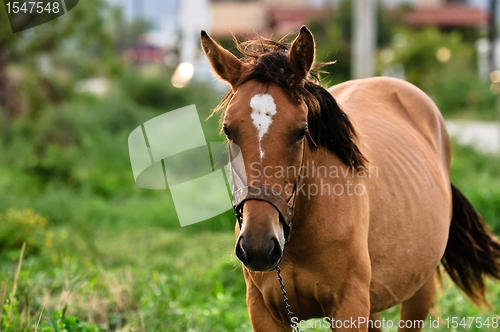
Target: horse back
x,y
398,108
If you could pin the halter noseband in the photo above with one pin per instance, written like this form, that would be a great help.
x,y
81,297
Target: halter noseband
x,y
285,208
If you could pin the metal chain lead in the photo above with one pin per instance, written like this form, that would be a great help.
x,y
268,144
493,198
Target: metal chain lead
x,y
285,298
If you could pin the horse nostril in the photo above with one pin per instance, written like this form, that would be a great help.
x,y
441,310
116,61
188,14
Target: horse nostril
x,y
275,252
240,252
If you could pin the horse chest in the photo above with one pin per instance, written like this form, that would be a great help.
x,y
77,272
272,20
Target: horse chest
x,y
309,294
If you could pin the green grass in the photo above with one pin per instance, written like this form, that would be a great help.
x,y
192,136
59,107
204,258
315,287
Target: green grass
x,y
153,279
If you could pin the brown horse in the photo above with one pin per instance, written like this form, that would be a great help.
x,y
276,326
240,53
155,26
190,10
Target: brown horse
x,y
365,184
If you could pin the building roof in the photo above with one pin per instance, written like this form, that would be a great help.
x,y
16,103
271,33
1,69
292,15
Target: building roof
x,y
448,16
244,19
286,20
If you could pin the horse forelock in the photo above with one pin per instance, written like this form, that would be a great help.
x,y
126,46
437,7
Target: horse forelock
x,y
329,126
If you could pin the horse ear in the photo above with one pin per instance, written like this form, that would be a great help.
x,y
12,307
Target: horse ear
x,y
302,52
227,66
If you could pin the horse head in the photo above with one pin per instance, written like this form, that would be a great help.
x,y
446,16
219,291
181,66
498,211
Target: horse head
x,y
268,124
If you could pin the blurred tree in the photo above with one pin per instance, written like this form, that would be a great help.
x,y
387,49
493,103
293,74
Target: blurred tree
x,y
333,35
83,34
425,53
126,34
444,66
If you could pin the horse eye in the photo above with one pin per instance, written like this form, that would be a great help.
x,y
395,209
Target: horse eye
x,y
227,132
302,133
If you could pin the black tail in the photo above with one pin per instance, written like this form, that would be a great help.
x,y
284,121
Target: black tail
x,y
472,252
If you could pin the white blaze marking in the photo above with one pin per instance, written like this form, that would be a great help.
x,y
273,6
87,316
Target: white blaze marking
x,y
263,109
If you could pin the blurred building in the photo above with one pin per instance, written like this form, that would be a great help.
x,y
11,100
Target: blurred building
x,y
143,53
433,3
448,14
263,16
177,23
283,16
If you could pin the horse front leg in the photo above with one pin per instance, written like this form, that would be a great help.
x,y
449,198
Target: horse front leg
x,y
260,316
351,309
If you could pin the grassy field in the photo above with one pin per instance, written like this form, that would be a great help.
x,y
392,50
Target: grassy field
x,y
104,255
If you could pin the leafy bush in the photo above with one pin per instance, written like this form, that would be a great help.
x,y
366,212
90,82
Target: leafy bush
x,y
416,50
12,321
19,226
60,322
83,143
458,92
452,82
71,162
155,90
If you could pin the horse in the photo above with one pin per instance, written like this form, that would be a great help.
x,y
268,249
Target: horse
x,y
361,172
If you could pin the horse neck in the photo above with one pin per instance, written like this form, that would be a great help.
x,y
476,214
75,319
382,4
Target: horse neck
x,y
317,206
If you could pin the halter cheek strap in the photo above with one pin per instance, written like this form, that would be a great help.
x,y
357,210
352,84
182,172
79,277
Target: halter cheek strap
x,y
261,193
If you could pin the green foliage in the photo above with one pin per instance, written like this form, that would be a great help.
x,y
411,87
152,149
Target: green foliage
x,y
153,88
39,66
73,160
83,143
18,226
451,82
12,321
459,93
84,25
416,51
59,322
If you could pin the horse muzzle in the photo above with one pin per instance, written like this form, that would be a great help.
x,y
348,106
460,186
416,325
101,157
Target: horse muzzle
x,y
264,257
262,252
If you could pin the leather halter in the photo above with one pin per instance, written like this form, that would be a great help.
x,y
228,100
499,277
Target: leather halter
x,y
285,208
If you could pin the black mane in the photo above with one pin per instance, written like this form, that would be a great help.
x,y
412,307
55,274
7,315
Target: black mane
x,y
329,126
